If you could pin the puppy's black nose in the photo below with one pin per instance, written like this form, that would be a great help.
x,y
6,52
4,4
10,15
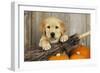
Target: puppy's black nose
x,y
52,34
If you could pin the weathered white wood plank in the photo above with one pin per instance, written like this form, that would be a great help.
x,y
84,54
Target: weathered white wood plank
x,y
27,32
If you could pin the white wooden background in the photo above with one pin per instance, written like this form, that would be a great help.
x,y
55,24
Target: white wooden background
x,y
75,23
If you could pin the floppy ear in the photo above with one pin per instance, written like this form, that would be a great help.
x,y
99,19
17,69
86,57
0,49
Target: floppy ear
x,y
42,27
63,30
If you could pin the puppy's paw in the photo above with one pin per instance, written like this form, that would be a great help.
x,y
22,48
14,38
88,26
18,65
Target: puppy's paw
x,y
45,45
64,38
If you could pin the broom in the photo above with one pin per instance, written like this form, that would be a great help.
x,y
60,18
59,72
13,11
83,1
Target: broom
x,y
39,54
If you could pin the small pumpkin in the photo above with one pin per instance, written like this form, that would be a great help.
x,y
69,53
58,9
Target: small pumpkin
x,y
59,57
82,52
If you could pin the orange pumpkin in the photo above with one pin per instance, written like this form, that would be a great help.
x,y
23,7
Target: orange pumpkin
x,y
81,52
60,57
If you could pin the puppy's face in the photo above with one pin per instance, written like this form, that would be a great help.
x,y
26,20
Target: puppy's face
x,y
53,29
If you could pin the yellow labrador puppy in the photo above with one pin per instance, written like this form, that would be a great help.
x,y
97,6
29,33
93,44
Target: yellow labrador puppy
x,y
53,30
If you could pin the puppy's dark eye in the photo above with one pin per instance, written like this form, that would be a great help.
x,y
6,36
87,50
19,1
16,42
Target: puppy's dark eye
x,y
56,27
48,26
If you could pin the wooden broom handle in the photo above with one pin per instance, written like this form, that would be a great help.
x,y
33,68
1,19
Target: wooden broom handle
x,y
84,35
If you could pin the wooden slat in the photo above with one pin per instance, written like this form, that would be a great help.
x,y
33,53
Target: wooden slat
x,y
33,29
27,24
88,28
